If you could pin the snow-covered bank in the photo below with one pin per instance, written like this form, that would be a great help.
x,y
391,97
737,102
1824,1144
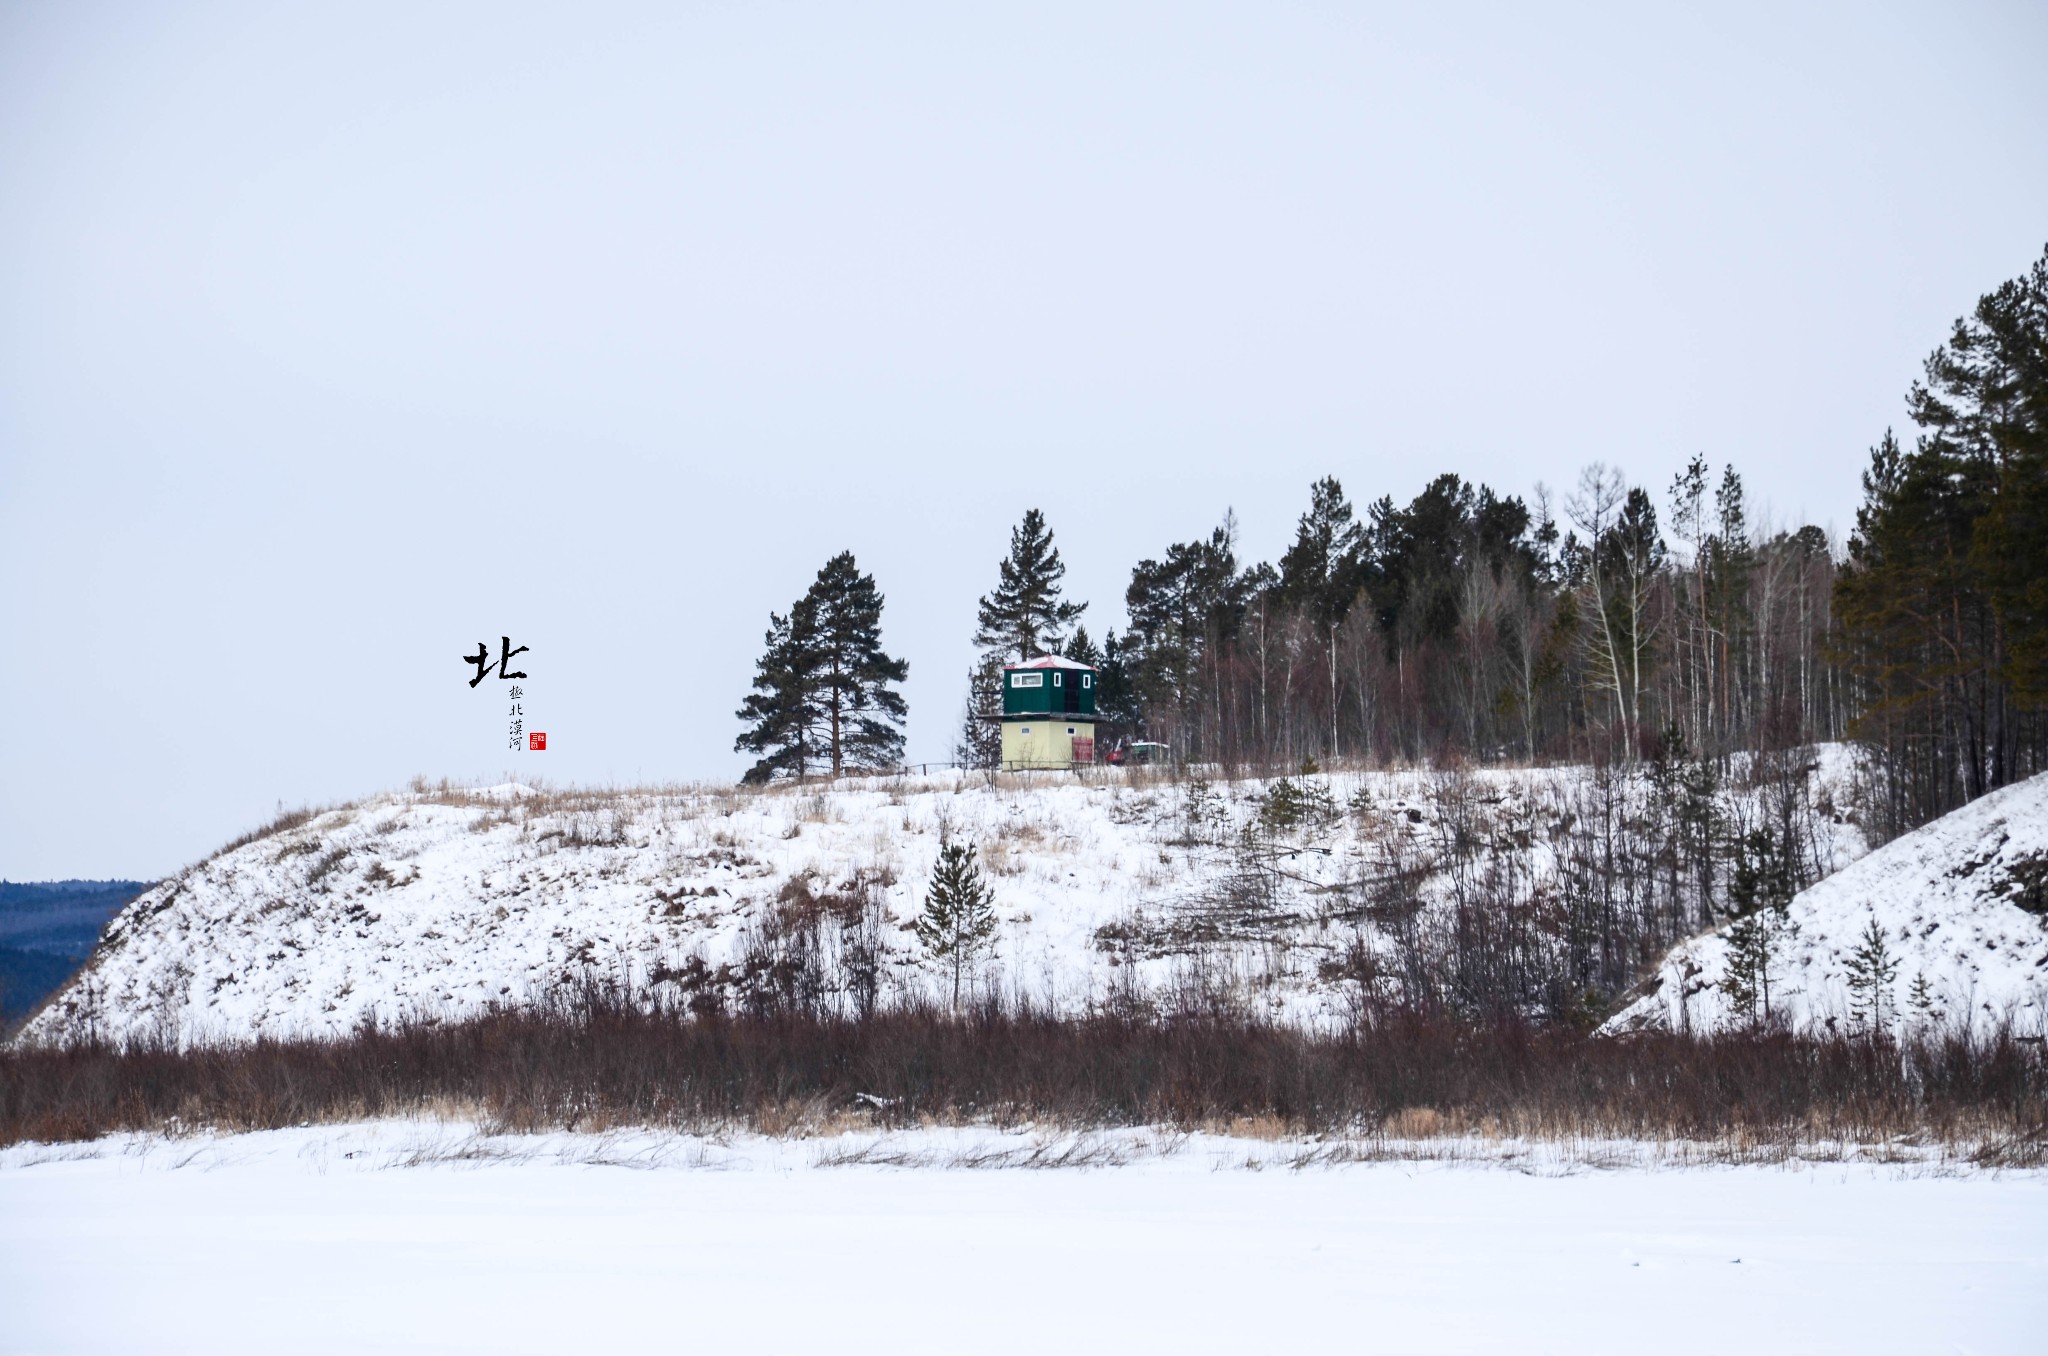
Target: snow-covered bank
x,y
442,902
309,1241
1961,906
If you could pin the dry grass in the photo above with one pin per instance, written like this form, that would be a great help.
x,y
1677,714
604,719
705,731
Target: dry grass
x,y
600,1064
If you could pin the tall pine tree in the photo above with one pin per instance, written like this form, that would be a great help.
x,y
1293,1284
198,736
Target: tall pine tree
x,y
1324,570
863,714
1944,606
980,745
823,695
1025,614
783,714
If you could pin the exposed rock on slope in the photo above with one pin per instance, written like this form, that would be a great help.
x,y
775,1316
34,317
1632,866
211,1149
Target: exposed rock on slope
x,y
1961,905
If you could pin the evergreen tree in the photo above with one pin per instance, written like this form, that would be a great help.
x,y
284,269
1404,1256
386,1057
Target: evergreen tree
x,y
1319,574
959,918
980,745
1752,944
1945,603
1730,570
1921,995
1322,572
783,714
1025,615
1116,702
1184,611
1872,968
1985,401
1081,649
862,712
1631,555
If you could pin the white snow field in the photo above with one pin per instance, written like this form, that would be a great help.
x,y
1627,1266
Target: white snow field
x,y
318,1240
1947,898
439,902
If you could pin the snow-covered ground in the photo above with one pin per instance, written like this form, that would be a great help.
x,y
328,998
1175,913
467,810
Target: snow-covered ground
x,y
416,1237
442,901
1948,900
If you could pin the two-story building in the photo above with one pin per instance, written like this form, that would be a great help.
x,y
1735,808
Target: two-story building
x,y
1048,714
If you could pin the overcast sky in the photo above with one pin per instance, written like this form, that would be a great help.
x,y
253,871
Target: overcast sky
x,y
334,343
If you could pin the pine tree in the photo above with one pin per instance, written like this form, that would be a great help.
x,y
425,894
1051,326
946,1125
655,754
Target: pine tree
x,y
1025,615
862,712
1872,968
1116,702
1631,555
980,745
1319,574
1081,649
1322,572
1752,943
1944,605
959,917
1921,995
783,714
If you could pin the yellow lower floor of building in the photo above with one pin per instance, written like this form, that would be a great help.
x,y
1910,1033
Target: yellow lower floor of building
x,y
1055,743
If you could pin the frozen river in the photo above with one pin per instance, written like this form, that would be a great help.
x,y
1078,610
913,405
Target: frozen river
x,y
400,1237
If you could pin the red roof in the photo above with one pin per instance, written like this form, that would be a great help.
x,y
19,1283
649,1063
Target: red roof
x,y
1050,661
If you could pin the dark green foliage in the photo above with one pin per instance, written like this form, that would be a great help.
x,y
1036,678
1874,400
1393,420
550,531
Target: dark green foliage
x,y
1025,617
1921,996
1945,603
1184,609
824,694
1752,946
1323,571
959,918
1298,802
1765,875
980,745
864,712
1465,624
1872,968
783,714
1116,699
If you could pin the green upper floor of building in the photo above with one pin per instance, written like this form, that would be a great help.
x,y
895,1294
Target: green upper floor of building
x,y
1048,686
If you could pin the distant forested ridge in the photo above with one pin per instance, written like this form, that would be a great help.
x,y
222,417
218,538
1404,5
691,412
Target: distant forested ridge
x,y
47,929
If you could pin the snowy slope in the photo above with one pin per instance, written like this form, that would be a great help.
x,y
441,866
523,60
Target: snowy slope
x,y
1961,902
443,902
439,902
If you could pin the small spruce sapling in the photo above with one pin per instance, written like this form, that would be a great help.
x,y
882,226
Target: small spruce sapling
x,y
959,918
1202,810
1872,967
1921,996
1752,942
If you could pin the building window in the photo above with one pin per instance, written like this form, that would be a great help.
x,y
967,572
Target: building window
x,y
1056,680
1087,680
1070,729
1026,732
1027,680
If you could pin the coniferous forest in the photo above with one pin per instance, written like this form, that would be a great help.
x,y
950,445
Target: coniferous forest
x,y
1610,622
1618,623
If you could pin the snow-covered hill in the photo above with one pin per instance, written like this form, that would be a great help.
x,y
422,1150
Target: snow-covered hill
x,y
1961,906
1117,888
